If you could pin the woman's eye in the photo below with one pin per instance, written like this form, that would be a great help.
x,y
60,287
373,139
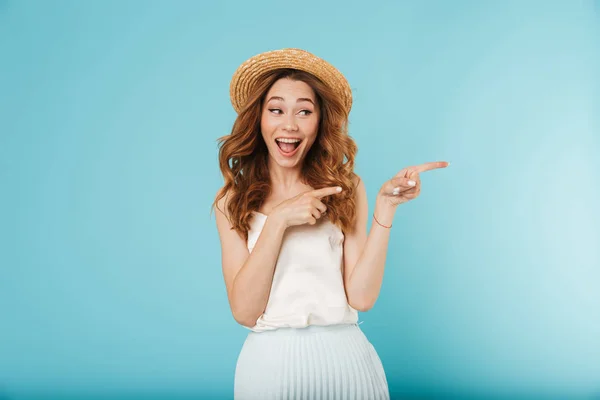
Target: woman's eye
x,y
307,112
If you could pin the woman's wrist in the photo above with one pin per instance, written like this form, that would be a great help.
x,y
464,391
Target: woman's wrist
x,y
384,212
276,220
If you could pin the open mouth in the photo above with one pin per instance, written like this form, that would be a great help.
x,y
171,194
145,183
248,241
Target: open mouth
x,y
288,146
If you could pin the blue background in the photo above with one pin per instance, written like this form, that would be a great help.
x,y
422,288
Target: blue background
x,y
111,281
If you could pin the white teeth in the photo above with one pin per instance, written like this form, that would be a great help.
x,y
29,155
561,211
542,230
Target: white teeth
x,y
284,140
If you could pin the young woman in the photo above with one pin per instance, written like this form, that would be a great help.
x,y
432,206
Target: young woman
x,y
297,261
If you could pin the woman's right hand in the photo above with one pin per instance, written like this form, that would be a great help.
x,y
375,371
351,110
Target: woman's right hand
x,y
305,208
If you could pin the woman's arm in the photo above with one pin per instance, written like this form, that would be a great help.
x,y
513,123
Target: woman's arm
x,y
248,276
364,256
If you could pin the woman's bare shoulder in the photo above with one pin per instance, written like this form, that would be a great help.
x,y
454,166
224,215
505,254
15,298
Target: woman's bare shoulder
x,y
356,180
229,236
223,201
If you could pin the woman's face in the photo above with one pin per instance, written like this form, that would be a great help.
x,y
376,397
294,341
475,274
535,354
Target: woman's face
x,y
290,114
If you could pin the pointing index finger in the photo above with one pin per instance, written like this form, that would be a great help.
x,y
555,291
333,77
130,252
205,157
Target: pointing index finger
x,y
327,191
431,165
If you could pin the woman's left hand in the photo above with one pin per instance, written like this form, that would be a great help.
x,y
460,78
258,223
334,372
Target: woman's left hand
x,y
406,184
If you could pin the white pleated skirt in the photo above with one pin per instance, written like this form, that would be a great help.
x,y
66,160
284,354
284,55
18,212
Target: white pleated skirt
x,y
335,362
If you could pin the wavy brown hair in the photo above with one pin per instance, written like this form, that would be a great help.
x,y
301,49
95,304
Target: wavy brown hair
x,y
243,156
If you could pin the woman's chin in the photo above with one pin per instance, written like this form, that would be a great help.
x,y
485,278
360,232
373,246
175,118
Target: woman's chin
x,y
287,162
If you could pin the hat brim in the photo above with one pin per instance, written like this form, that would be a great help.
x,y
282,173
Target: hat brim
x,y
249,72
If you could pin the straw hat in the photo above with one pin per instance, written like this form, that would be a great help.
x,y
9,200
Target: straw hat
x,y
252,69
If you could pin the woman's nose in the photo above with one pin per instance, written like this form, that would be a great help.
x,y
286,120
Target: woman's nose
x,y
291,124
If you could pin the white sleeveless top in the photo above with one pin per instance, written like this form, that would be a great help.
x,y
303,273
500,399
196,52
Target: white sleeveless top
x,y
308,287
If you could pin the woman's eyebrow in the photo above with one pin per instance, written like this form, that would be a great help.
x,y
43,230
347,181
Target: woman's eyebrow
x,y
297,101
305,99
